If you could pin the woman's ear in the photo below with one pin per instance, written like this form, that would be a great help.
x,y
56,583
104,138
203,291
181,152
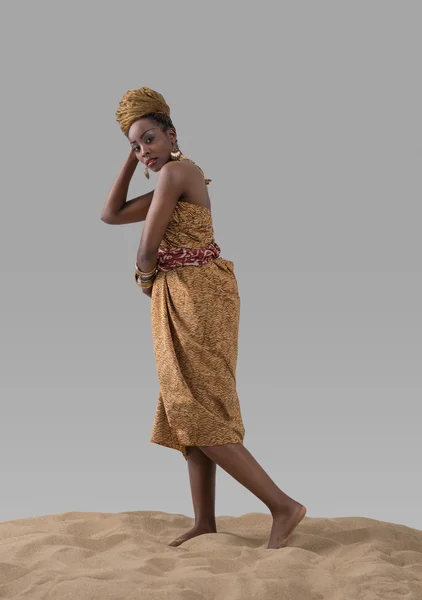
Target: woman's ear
x,y
173,135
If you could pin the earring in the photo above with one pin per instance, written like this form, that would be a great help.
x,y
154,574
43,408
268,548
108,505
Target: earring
x,y
176,154
146,172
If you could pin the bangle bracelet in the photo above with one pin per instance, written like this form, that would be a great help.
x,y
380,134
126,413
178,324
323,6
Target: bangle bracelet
x,y
145,273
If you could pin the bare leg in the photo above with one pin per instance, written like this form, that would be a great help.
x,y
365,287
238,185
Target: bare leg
x,y
240,464
202,473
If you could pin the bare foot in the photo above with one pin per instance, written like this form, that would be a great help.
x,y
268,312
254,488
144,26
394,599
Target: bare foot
x,y
284,524
191,534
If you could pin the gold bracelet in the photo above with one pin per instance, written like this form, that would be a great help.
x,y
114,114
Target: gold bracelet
x,y
145,284
145,273
142,278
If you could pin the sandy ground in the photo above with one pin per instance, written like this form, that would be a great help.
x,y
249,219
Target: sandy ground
x,y
125,556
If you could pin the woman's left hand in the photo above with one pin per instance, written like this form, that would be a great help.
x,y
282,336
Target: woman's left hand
x,y
147,291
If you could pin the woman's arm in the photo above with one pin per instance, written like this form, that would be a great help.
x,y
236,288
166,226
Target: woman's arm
x,y
118,211
132,211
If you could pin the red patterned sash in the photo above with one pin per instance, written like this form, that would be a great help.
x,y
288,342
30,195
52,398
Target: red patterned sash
x,y
180,257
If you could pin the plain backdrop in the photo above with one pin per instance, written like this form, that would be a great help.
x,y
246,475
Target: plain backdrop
x,y
307,118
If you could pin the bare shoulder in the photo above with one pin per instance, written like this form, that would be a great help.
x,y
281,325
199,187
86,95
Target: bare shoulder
x,y
190,180
170,167
185,167
184,172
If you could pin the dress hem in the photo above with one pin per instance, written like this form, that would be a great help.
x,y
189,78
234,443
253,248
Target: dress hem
x,y
181,448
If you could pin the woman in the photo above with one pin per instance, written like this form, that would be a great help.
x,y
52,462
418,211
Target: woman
x,y
195,309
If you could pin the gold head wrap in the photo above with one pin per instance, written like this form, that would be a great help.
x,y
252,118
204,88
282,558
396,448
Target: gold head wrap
x,y
137,103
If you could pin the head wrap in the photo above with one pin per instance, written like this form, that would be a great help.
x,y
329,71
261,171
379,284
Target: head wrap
x,y
137,103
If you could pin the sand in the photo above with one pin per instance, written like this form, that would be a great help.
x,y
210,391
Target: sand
x,y
107,556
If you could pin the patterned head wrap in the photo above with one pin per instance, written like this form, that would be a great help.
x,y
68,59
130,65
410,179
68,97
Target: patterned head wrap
x,y
137,103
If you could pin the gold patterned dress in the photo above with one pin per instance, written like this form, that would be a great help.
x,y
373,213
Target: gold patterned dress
x,y
195,313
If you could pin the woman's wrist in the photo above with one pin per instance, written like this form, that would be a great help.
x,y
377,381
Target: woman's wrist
x,y
131,157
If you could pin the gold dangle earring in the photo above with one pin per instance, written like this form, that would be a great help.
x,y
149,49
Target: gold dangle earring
x,y
176,154
146,172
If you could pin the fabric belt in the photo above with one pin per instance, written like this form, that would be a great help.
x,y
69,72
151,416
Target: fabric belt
x,y
181,257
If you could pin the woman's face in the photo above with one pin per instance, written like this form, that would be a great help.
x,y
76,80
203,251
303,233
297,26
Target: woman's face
x,y
149,141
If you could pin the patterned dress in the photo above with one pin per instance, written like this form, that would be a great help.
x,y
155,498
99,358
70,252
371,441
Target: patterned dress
x,y
195,311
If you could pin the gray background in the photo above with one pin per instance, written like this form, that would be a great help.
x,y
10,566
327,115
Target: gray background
x,y
307,118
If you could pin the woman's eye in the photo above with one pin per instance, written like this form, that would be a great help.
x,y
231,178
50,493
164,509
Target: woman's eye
x,y
148,141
